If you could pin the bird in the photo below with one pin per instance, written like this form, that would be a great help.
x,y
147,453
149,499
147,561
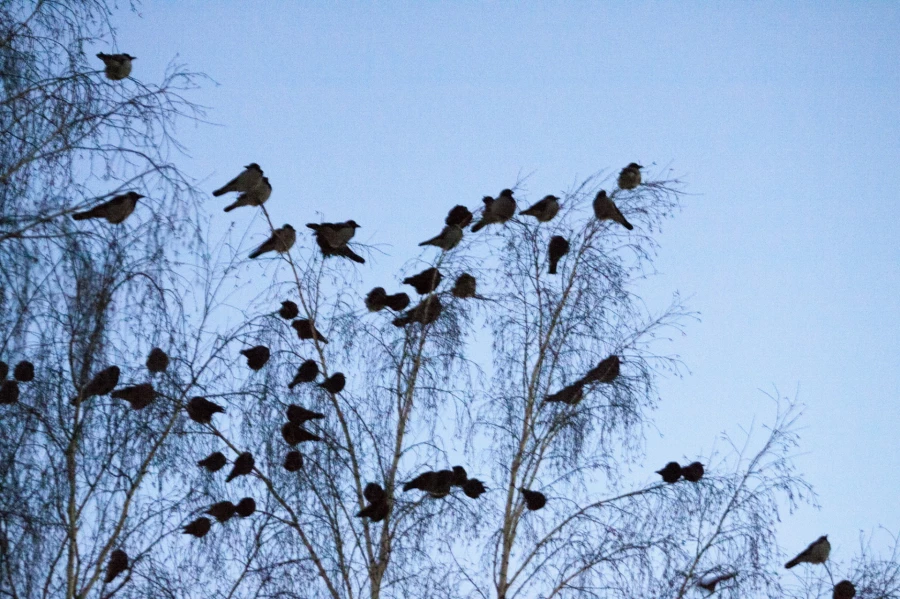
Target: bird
x,y
245,507
102,384
816,553
344,251
376,511
255,196
306,330
221,511
437,484
139,396
374,493
306,373
24,371
213,462
556,249
473,488
604,372
426,312
4,370
299,415
293,461
425,281
198,527
244,182
670,473
293,433
335,383
497,210
257,356
397,302
534,500
693,472
447,239
157,361
281,241
460,476
201,410
570,394
243,465
844,590
118,563
288,310
606,209
334,235
376,299
459,216
630,176
9,392
464,286
114,211
116,66
544,210
710,583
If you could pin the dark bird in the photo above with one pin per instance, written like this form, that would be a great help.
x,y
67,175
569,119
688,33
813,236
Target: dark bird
x,y
293,461
376,512
693,472
289,310
221,511
102,384
544,210
157,361
305,330
293,434
255,196
447,239
496,211
115,210
334,235
460,476
606,209
200,409
118,563
24,371
422,482
335,383
473,488
306,373
604,372
426,281
246,507
213,462
428,310
376,299
437,484
198,527
816,553
844,590
9,392
630,176
116,66
464,286
257,356
249,178
281,241
344,252
571,394
243,465
139,396
557,248
459,216
710,583
397,301
4,370
374,493
670,473
534,500
298,415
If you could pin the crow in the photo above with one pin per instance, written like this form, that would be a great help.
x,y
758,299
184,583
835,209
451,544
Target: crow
x,y
460,476
289,310
198,527
335,383
816,553
844,590
557,248
157,361
221,511
473,488
464,286
281,241
201,410
139,396
670,473
305,330
213,462
397,301
255,196
544,210
376,299
118,563
294,433
243,465
114,211
534,500
116,66
257,356
604,372
496,211
693,472
245,507
102,384
606,209
571,394
426,312
425,281
249,178
293,461
299,415
24,371
306,373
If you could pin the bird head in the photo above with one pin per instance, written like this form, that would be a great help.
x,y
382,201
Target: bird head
x,y
506,193
288,227
352,223
130,57
135,195
635,165
552,197
254,167
601,193
488,200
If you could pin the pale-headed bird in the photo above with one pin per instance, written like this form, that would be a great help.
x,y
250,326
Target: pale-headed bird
x,y
117,66
497,210
630,176
281,241
817,553
544,210
249,178
448,238
114,211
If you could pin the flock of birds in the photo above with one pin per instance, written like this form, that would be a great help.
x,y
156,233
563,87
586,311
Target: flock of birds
x,y
253,189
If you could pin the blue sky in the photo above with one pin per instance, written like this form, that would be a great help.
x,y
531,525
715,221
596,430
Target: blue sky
x,y
782,118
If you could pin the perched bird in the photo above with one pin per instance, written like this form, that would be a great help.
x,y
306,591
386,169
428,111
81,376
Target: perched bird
x,y
437,484
9,392
376,299
844,590
249,178
281,241
496,211
116,66
397,301
299,415
693,472
289,310
459,216
534,500
334,235
293,461
139,396
24,371
4,370
604,372
243,465
245,507
198,527
213,462
670,473
447,239
118,563
374,492
426,312
257,356
306,373
221,511
464,286
710,583
102,384
460,476
306,330
157,361
630,176
114,211
200,409
376,512
425,281
816,553
544,210
293,433
557,248
473,488
570,394
606,209
344,251
255,196
335,383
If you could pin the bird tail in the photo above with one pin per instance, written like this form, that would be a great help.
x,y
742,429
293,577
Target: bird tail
x,y
429,242
260,251
230,478
478,226
231,207
627,224
313,226
220,191
291,385
348,253
552,269
81,215
401,321
792,563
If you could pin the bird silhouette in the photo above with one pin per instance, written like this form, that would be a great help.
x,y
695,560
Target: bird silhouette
x,y
604,372
464,286
334,235
213,462
116,66
426,312
9,392
249,178
293,433
293,461
139,396
606,209
198,527
102,384
710,583
437,484
534,500
496,211
281,241
246,507
221,511
243,465
670,473
118,563
460,476
473,488
157,361
257,356
255,196
114,211
693,472
4,370
343,251
630,176
397,301
306,330
374,492
425,281
201,410
376,511
288,310
844,590
447,239
376,299
544,210
299,415
306,373
556,249
24,371
570,394
459,216
817,553
335,383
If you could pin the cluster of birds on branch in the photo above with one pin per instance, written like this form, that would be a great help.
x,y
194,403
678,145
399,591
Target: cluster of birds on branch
x,y
23,372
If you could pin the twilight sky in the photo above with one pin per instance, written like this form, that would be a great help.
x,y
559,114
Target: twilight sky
x,y
782,118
